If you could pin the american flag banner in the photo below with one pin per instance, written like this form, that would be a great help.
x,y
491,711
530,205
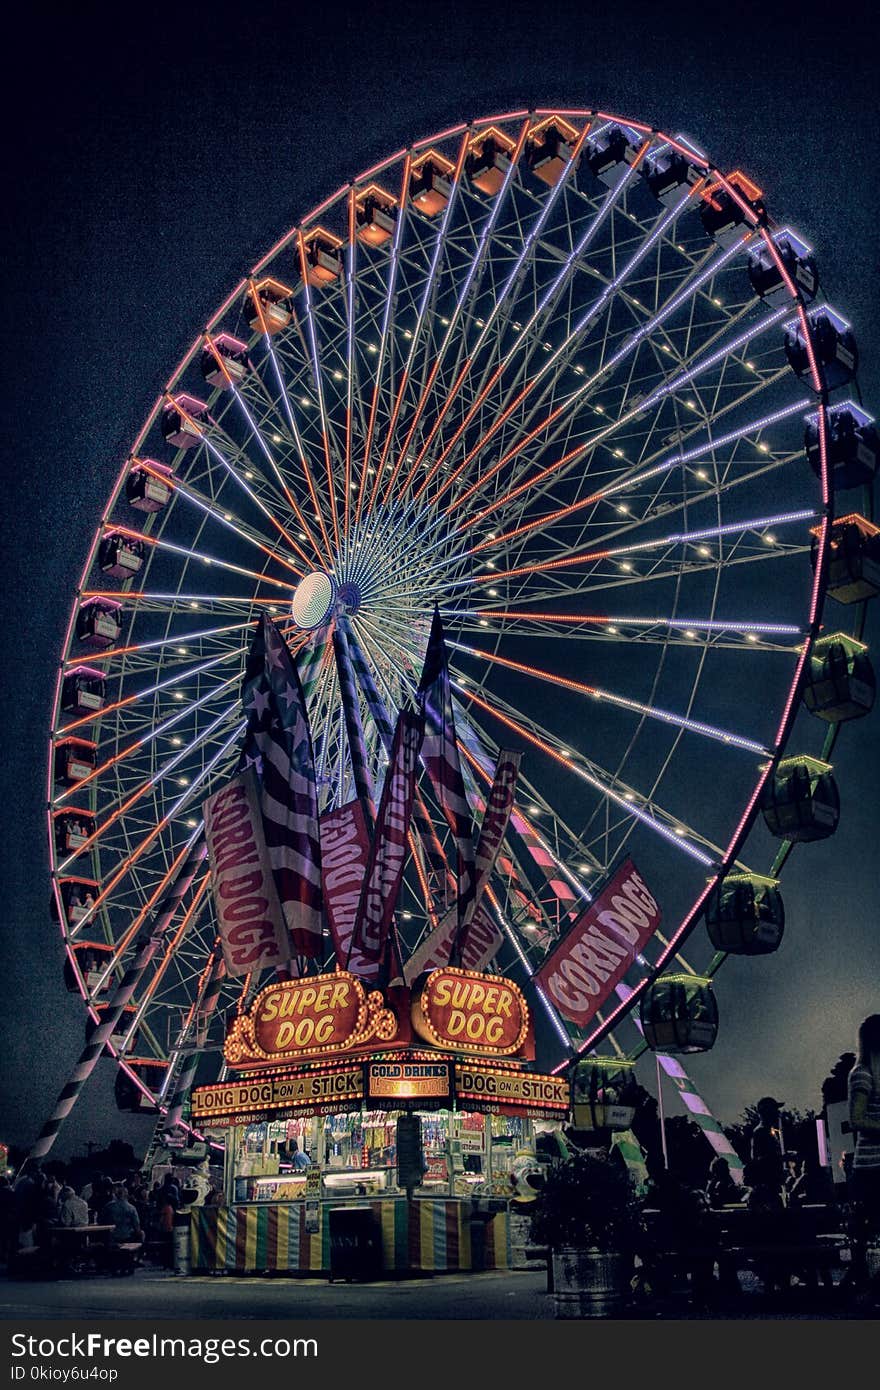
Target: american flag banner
x,y
441,760
279,744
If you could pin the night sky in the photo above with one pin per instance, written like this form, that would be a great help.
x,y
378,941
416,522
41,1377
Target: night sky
x,y
146,172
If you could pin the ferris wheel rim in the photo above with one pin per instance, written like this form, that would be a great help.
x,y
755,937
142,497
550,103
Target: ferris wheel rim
x,y
818,585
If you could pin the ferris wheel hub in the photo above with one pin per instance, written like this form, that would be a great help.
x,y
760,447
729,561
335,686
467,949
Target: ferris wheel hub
x,y
313,600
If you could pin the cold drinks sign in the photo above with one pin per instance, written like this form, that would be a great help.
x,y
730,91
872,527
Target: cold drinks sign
x,y
596,953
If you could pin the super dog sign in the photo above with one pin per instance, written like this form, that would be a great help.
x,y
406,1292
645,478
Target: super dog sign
x,y
309,1017
464,1011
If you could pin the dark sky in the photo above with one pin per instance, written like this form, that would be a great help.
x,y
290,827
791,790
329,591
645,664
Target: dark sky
x,y
147,171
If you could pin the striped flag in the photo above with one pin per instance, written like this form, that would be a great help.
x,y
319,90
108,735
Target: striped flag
x,y
279,744
441,760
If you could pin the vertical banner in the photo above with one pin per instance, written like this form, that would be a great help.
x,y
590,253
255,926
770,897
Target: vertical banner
x,y
345,852
495,821
594,955
388,850
471,936
250,922
482,942
440,756
279,743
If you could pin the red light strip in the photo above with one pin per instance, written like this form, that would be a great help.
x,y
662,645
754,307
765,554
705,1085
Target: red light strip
x,y
310,482
393,263
328,462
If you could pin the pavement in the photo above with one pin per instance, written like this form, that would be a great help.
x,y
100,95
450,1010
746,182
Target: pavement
x,y
513,1295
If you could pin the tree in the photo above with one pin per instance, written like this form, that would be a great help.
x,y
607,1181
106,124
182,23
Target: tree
x,y
834,1087
798,1132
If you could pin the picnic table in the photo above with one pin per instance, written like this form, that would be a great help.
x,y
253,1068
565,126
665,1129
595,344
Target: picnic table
x,y
80,1248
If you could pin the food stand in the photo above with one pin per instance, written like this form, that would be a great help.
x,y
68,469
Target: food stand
x,y
329,1066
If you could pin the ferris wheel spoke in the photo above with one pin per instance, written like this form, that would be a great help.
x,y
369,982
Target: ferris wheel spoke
x,y
502,301
318,383
157,829
693,283
708,731
661,393
452,324
673,540
156,643
156,543
428,296
381,351
258,435
534,329
241,480
291,419
669,827
155,731
175,680
164,771
196,905
223,518
662,631
350,304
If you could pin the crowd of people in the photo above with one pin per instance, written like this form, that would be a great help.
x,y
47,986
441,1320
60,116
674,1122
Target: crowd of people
x,y
40,1204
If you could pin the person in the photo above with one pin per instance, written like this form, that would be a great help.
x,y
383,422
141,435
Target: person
x,y
73,1210
122,1216
300,1158
764,1200
721,1190
171,1191
8,1226
863,1092
768,1164
102,1193
165,1229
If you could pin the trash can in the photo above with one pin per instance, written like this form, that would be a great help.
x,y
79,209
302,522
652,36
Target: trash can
x,y
355,1244
180,1239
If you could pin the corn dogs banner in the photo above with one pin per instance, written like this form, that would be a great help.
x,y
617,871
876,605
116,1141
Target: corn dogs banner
x,y
388,850
250,922
345,850
591,959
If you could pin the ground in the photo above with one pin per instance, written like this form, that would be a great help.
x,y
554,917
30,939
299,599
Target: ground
x,y
153,1294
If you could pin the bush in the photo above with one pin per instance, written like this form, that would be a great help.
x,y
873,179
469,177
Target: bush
x,y
589,1202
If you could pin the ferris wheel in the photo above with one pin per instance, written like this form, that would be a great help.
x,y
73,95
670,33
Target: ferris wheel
x,y
557,374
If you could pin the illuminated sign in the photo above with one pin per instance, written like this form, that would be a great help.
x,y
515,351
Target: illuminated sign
x,y
464,1011
310,1017
408,1080
306,1091
490,1088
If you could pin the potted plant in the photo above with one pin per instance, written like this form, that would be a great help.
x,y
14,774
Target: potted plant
x,y
588,1216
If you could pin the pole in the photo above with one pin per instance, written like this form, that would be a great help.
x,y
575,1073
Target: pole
x,y
660,1112
203,1010
147,944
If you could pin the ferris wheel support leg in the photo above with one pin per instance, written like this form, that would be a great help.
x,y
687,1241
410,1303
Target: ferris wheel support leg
x,y
201,1014
147,946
